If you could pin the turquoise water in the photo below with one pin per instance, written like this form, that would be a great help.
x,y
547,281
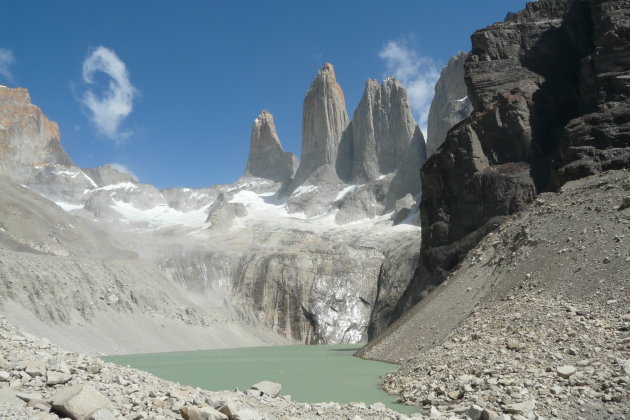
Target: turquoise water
x,y
319,373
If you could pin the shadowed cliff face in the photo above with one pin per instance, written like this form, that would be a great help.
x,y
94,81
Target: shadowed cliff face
x,y
549,89
450,103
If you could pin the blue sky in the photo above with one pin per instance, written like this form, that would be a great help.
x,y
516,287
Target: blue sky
x,y
189,77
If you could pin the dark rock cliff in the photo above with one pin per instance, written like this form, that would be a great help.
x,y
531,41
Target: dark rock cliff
x,y
549,88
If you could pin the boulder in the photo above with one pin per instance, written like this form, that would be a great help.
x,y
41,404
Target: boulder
x,y
206,413
55,378
565,371
78,401
35,368
269,388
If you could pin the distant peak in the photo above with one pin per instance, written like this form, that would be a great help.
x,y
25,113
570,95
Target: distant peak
x,y
264,116
328,69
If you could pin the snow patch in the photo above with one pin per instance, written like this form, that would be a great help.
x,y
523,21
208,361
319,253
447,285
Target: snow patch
x,y
161,215
68,206
348,190
303,189
462,100
125,186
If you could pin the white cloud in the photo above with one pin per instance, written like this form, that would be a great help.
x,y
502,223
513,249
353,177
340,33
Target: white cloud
x,y
416,73
124,169
6,60
109,109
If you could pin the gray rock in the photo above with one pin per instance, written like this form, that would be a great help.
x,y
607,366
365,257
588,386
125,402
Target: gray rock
x,y
269,388
403,208
450,103
324,120
55,378
565,371
266,157
474,412
24,396
35,368
222,213
522,408
205,413
407,178
101,414
78,401
382,129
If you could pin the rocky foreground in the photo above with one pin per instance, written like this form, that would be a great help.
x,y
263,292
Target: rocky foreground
x,y
40,381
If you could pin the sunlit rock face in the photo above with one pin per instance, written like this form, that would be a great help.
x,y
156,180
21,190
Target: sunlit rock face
x,y
382,129
27,137
266,157
324,120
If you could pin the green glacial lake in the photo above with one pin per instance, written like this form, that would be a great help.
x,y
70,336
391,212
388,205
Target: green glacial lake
x,y
310,374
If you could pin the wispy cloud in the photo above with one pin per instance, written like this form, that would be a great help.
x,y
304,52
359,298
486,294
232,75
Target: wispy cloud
x,y
417,73
109,108
7,59
124,169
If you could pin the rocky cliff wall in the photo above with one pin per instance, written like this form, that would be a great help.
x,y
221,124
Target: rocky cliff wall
x,y
550,94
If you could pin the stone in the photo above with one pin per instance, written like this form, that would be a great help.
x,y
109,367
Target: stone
x,y
55,378
102,414
35,368
40,405
206,413
514,345
94,368
455,394
4,376
249,414
565,371
625,203
78,401
474,412
522,408
267,387
24,396
266,158
230,409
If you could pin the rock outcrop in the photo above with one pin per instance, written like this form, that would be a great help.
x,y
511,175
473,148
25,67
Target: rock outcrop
x,y
600,139
382,128
450,104
324,120
549,89
27,137
266,157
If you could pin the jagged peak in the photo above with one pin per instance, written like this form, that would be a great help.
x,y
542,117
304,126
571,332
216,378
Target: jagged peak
x,y
329,70
264,116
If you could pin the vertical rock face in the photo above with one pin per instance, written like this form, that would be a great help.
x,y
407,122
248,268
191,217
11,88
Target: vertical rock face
x,y
600,139
549,89
27,137
407,178
382,128
324,120
266,157
450,104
